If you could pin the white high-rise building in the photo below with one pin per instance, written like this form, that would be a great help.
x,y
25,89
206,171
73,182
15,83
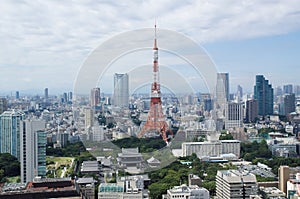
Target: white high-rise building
x,y
121,90
222,91
33,142
89,118
10,122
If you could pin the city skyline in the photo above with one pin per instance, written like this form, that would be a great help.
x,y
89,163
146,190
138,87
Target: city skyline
x,y
47,42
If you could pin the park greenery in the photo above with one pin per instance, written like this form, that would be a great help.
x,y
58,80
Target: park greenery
x,y
177,173
145,145
252,150
9,166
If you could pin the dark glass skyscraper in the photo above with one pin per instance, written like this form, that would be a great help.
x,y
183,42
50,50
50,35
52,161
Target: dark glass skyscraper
x,y
263,93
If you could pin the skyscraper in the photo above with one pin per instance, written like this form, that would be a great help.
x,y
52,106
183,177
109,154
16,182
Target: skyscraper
x,y
95,97
70,96
263,93
10,129
17,95
288,89
46,94
251,110
3,105
289,103
239,92
222,91
89,118
33,150
121,90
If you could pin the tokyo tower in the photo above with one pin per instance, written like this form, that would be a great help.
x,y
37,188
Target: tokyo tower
x,y
156,120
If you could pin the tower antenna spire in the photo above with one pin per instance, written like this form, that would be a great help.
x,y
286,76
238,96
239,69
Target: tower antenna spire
x,y
155,41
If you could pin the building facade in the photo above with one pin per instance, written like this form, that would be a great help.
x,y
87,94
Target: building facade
x,y
188,192
263,93
95,97
10,128
33,142
233,115
211,149
121,90
222,91
289,103
232,184
3,105
251,110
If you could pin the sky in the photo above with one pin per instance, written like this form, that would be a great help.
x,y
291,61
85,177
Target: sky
x,y
45,43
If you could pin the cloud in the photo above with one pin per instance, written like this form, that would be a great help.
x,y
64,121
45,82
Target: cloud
x,y
60,34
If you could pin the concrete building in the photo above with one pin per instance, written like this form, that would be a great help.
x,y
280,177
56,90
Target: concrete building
x,y
263,93
3,105
271,193
86,187
89,118
63,139
233,115
211,149
288,89
231,146
46,94
95,97
194,180
130,187
232,184
201,149
293,187
98,133
33,150
222,91
121,90
10,130
284,148
283,175
251,110
289,103
188,192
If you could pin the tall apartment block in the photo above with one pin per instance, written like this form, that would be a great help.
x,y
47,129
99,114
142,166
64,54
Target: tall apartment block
x,y
33,143
10,128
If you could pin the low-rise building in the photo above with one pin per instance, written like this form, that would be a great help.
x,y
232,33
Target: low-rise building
x,y
293,187
211,148
187,192
271,193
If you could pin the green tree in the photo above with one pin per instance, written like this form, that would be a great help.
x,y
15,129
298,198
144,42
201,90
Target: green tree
x,y
157,190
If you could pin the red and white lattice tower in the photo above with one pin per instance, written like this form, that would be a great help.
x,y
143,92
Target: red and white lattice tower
x,y
156,120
